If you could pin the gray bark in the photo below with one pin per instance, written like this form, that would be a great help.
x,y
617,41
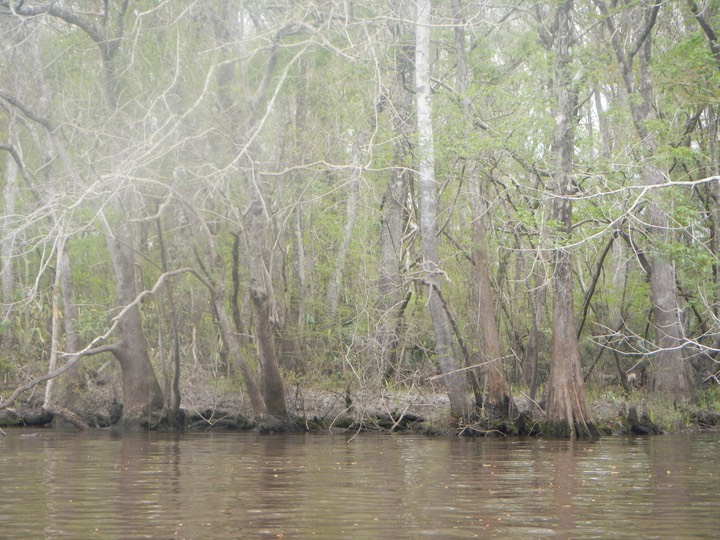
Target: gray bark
x,y
393,213
231,341
241,114
141,391
47,143
261,292
8,272
296,286
455,382
713,134
670,373
332,294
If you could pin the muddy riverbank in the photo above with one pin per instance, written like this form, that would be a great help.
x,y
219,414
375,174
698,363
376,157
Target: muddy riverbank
x,y
364,409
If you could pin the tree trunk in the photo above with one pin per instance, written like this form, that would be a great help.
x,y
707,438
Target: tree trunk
x,y
64,315
392,212
142,396
292,355
497,399
455,382
713,130
670,373
273,390
141,391
390,283
568,414
74,381
7,273
214,280
55,324
332,295
172,385
231,341
531,362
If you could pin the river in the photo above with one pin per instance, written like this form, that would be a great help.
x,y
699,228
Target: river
x,y
56,484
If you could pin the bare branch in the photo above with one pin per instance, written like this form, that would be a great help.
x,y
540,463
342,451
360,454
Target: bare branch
x,y
651,20
709,32
27,111
55,10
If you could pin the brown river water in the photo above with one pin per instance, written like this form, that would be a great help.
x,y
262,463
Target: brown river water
x,y
56,484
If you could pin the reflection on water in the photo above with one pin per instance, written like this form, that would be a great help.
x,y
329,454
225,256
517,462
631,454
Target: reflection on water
x,y
230,485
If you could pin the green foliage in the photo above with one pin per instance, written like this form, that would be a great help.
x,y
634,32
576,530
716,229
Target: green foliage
x,y
6,368
201,127
709,398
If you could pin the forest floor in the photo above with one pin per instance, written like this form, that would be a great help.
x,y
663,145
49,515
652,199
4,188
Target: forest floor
x,y
427,409
222,404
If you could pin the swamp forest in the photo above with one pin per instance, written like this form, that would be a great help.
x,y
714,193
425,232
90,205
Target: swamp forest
x,y
511,206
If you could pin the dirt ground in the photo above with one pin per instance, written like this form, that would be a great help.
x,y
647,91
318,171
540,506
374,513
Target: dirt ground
x,y
220,403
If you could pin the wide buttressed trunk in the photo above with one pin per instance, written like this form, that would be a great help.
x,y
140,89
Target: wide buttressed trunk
x,y
568,414
142,396
670,371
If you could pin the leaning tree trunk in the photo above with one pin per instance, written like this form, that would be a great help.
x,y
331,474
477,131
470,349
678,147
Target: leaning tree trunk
x,y
455,382
214,280
568,414
232,343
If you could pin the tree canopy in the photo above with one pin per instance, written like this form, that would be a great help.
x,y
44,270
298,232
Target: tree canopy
x,y
371,192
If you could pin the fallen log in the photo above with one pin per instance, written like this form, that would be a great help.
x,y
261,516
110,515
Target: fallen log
x,y
68,416
25,416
